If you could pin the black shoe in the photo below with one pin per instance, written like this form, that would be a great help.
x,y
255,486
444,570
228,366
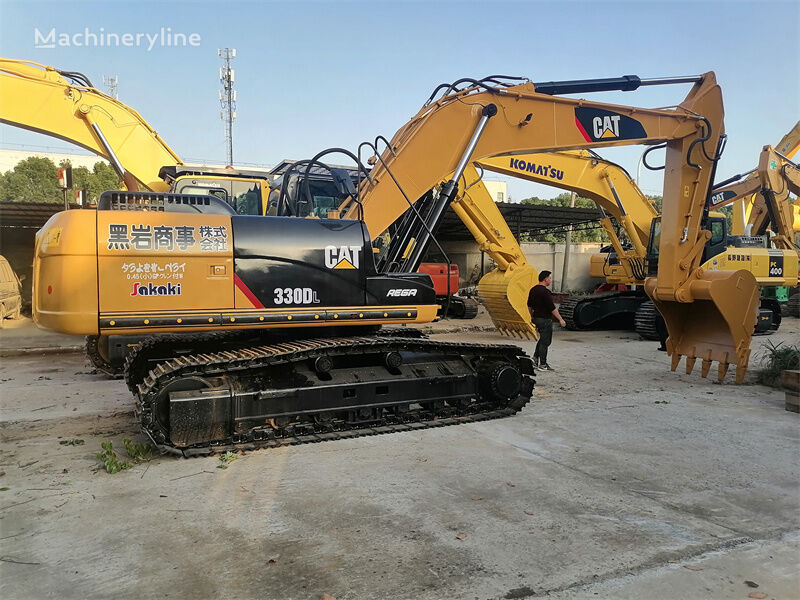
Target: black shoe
x,y
545,367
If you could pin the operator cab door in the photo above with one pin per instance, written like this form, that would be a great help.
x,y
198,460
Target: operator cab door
x,y
719,237
716,245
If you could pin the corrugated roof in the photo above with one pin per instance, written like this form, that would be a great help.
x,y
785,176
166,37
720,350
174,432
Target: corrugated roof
x,y
29,215
525,219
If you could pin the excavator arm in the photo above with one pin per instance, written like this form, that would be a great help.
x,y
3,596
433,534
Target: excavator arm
x,y
778,177
505,289
590,176
597,179
743,190
42,99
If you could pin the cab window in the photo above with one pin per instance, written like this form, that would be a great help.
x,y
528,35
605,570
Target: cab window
x,y
717,232
246,197
205,191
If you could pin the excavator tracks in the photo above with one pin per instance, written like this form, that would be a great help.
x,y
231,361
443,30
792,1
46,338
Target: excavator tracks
x,y
589,310
646,323
96,358
321,389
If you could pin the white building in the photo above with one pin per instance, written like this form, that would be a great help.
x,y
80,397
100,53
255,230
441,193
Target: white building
x,y
497,189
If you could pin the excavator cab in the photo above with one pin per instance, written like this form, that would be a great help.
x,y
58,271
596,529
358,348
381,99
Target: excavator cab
x,y
317,193
715,223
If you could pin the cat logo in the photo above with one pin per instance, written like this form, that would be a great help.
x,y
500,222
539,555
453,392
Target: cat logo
x,y
597,125
342,257
606,127
720,197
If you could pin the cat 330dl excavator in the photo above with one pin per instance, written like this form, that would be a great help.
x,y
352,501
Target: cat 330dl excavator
x,y
277,318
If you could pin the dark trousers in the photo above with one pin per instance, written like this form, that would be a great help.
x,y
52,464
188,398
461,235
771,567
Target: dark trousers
x,y
544,326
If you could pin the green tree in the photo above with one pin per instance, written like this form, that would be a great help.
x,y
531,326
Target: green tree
x,y
33,179
104,178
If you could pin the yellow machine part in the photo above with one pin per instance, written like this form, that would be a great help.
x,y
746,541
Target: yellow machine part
x,y
113,272
716,325
65,273
769,267
505,289
506,296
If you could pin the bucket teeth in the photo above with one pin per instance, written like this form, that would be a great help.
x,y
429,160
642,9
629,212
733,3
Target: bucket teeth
x,y
715,324
705,368
722,370
690,360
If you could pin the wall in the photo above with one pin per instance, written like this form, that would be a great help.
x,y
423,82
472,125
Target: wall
x,y
540,255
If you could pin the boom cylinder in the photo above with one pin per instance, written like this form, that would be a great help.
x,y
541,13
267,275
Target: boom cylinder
x,y
448,193
626,83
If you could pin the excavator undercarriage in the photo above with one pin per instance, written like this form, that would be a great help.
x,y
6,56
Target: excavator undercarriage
x,y
318,389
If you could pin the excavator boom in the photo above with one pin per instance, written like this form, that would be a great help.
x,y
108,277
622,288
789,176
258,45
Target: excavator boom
x,y
41,99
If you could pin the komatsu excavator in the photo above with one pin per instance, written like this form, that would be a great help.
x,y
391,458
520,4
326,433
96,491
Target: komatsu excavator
x,y
275,317
618,197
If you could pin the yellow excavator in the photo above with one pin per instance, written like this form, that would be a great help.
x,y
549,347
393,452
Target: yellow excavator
x,y
65,105
619,198
752,207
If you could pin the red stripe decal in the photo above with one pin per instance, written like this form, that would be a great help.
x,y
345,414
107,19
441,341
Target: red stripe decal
x,y
246,291
582,130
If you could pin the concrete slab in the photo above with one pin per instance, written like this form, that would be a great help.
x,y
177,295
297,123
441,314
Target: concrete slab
x,y
614,478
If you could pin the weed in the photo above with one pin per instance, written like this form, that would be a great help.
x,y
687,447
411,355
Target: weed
x,y
776,359
75,442
138,452
109,459
226,459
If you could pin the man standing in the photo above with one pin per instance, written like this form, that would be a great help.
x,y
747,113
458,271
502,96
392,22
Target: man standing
x,y
543,310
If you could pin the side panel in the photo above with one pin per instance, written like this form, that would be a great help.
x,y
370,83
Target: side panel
x,y
284,262
769,267
157,261
65,273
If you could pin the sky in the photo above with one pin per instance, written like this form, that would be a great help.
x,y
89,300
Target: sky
x,y
312,75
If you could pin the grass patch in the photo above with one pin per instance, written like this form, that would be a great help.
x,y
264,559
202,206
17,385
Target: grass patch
x,y
776,359
110,460
137,452
226,459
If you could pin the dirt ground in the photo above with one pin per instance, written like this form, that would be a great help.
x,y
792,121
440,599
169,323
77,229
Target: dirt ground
x,y
620,479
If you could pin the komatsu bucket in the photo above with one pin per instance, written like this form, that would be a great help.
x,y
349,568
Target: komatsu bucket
x,y
714,323
506,296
